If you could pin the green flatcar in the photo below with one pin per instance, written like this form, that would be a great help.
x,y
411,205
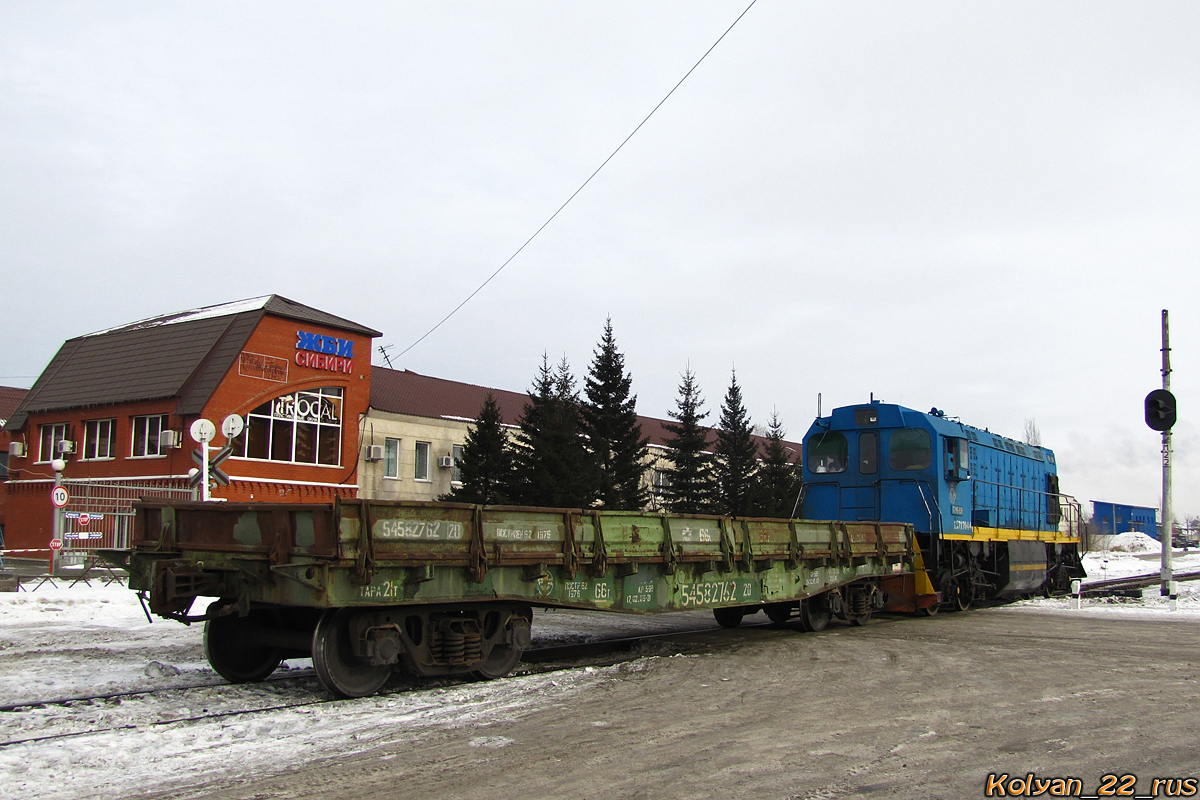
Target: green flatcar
x,y
443,588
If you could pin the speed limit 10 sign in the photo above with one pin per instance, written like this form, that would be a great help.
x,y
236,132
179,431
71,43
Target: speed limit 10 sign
x,y
59,496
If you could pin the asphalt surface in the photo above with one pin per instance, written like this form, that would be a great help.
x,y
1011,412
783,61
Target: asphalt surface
x,y
902,708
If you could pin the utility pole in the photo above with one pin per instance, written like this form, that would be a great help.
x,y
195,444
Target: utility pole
x,y
1165,537
1161,414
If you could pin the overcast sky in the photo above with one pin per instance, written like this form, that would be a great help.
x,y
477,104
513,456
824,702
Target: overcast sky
x,y
982,207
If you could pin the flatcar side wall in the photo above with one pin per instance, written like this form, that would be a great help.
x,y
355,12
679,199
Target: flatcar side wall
x,y
382,554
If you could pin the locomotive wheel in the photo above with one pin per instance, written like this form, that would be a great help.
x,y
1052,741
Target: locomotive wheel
x,y
814,614
930,611
778,613
861,619
729,617
961,597
340,671
232,650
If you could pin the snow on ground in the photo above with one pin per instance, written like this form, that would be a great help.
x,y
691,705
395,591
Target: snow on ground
x,y
80,640
1143,560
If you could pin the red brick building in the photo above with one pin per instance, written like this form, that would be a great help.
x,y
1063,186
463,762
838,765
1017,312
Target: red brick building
x,y
10,398
117,407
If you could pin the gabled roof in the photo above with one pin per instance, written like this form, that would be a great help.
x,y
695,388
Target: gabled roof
x,y
10,398
406,392
183,355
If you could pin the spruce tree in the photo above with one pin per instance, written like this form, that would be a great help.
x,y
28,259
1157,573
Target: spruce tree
x,y
615,441
736,462
779,477
487,460
553,468
690,488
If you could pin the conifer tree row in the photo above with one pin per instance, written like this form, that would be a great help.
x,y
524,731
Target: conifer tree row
x,y
689,487
736,456
573,452
552,465
614,435
778,482
486,465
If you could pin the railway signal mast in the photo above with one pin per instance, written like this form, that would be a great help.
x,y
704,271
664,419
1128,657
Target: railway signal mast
x,y
1160,416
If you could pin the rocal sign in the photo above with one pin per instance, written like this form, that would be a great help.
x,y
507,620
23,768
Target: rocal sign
x,y
324,352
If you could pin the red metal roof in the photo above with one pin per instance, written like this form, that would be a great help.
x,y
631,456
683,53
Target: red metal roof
x,y
406,392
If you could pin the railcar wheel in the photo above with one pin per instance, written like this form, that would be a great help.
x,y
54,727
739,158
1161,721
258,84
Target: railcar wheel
x,y
232,648
340,671
778,613
861,619
505,657
729,617
814,614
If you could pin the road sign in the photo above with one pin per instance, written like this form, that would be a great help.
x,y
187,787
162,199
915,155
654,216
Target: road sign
x,y
203,431
217,474
232,426
56,544
84,519
59,496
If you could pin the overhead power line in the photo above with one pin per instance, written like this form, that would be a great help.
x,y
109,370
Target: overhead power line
x,y
499,269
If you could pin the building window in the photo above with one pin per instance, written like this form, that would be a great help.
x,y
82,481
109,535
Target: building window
x,y
456,453
662,483
147,433
51,436
421,467
99,439
299,428
391,458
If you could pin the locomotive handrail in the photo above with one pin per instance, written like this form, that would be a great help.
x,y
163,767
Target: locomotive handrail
x,y
1041,511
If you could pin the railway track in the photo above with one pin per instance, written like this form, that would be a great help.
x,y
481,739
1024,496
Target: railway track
x,y
1131,582
538,660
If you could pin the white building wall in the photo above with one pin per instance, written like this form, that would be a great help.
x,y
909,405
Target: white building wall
x,y
440,435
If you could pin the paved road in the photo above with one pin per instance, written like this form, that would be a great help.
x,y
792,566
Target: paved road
x,y
904,708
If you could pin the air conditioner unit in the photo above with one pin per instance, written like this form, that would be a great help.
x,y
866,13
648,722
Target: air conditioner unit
x,y
170,438
374,452
445,462
16,449
65,447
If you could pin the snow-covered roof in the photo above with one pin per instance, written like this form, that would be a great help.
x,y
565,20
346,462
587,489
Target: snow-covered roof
x,y
194,315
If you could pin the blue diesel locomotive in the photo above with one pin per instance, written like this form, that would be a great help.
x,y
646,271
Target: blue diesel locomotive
x,y
987,510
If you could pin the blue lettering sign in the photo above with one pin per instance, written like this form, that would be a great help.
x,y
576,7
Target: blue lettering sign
x,y
331,345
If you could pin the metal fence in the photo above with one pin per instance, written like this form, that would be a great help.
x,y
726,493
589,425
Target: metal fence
x,y
99,516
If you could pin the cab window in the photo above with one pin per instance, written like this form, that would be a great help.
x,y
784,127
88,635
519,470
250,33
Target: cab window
x,y
909,448
957,459
868,453
827,453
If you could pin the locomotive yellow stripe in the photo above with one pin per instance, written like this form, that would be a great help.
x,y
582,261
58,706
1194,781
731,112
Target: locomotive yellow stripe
x,y
981,534
1024,567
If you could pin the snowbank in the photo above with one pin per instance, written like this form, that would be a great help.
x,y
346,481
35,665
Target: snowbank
x,y
1128,542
